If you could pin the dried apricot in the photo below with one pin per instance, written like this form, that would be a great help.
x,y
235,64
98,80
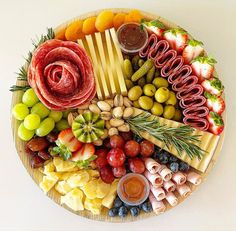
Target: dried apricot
x,y
118,20
74,31
104,20
89,26
61,34
134,16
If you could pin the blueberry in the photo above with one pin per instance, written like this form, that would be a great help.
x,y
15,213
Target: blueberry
x,y
140,206
113,212
183,166
174,167
127,206
163,158
158,149
118,203
123,211
134,211
138,138
156,154
147,207
172,159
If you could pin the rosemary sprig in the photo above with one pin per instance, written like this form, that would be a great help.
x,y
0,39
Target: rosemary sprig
x,y
19,88
182,138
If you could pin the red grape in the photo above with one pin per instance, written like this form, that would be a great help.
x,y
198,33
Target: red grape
x,y
106,143
117,141
147,148
119,171
116,157
101,152
106,174
101,160
127,135
136,165
132,148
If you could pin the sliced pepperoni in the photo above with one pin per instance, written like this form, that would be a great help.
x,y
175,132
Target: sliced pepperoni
x,y
196,111
182,73
192,91
161,47
172,66
152,41
197,122
185,82
169,56
192,101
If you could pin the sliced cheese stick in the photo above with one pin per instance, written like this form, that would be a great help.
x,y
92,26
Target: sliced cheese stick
x,y
172,199
151,165
179,178
165,173
159,193
183,190
169,186
157,206
194,178
155,179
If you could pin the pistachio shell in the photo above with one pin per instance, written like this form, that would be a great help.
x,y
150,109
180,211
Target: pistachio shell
x,y
128,112
104,106
116,122
117,112
83,107
105,115
71,117
124,128
127,102
113,131
118,100
94,108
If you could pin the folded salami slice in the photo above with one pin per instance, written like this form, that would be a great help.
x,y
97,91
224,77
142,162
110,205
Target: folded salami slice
x,y
197,122
172,66
184,82
161,47
196,111
182,73
192,91
152,41
169,56
192,101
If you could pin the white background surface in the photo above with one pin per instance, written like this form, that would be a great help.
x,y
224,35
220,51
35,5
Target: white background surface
x,y
22,204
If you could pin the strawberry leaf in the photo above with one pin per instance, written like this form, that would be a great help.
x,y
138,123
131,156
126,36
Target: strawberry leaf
x,y
176,31
194,43
204,60
85,163
217,84
62,150
216,118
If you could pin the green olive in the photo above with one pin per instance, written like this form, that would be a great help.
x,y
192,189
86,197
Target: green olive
x,y
129,84
172,99
134,61
136,104
160,82
149,90
128,69
157,73
162,94
157,109
178,115
169,112
135,92
145,102
141,82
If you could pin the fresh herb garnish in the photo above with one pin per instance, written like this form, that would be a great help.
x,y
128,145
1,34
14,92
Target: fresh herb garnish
x,y
61,150
86,163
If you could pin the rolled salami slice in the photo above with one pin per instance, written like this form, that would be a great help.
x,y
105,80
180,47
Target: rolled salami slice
x,y
185,83
151,165
194,178
172,66
155,179
169,56
192,91
197,122
183,190
169,186
161,47
179,178
192,101
193,111
165,173
171,199
152,41
159,193
157,206
182,73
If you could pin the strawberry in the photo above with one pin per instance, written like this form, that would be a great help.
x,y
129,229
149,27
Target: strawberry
x,y
67,138
215,103
192,50
177,38
203,67
213,86
216,123
154,26
85,153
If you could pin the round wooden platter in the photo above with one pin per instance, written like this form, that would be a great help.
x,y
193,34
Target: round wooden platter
x,y
37,175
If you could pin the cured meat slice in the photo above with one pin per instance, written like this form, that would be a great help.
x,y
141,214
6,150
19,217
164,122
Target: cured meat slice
x,y
192,101
155,179
197,122
169,56
61,75
157,206
179,178
169,186
172,66
152,41
194,178
159,193
196,111
185,82
165,173
183,190
192,91
171,198
182,73
151,165
161,47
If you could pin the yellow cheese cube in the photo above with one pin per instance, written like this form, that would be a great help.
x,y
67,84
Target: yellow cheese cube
x,y
48,182
108,200
102,188
63,187
78,179
90,188
93,205
64,166
49,167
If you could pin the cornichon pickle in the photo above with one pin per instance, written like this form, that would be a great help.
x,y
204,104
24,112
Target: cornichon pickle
x,y
141,82
129,84
135,60
142,70
150,75
128,69
140,62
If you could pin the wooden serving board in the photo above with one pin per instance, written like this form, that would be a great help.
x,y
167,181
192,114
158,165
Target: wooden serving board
x,y
53,194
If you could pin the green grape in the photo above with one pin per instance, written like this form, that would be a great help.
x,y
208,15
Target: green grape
x,y
20,111
45,127
65,113
24,133
30,98
62,124
40,109
32,121
55,115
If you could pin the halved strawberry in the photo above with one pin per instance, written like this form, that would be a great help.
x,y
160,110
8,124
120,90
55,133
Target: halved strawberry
x,y
85,153
213,86
67,138
154,26
192,50
216,123
177,38
203,67
215,103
